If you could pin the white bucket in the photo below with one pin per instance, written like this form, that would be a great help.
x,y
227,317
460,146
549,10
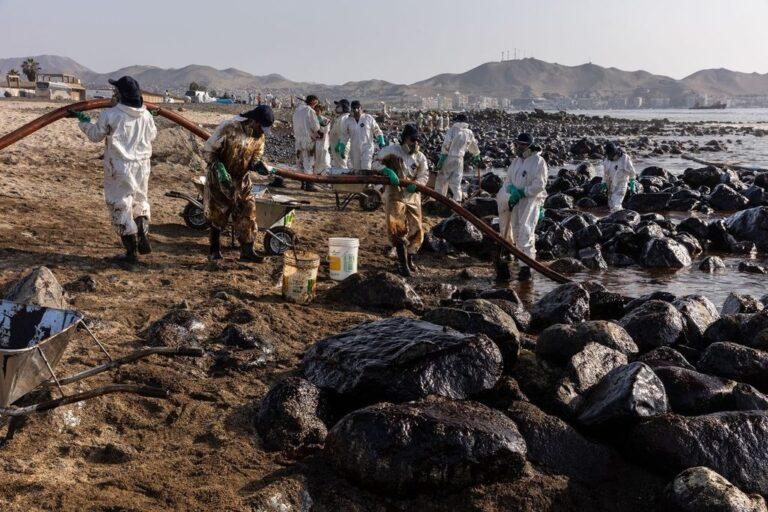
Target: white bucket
x,y
300,276
342,257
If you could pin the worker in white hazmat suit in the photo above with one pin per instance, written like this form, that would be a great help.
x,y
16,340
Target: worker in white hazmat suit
x,y
618,175
306,130
459,139
359,133
129,129
520,201
339,149
403,204
322,155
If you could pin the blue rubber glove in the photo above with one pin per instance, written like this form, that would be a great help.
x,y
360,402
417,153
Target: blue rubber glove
x,y
79,115
515,195
224,176
381,140
633,185
604,188
411,188
262,169
392,175
441,161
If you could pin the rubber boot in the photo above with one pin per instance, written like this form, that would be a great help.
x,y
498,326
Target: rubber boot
x,y
248,254
524,274
303,185
278,182
502,267
143,224
310,187
412,263
402,260
131,245
214,241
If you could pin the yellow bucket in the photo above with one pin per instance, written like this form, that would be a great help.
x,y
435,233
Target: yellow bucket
x,y
300,276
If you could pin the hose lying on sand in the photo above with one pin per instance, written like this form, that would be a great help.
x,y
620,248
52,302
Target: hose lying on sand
x,y
487,230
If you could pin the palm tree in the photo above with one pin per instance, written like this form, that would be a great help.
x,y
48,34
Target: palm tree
x,y
13,72
30,67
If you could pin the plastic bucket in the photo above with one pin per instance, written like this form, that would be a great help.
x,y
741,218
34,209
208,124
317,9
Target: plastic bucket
x,y
342,257
300,276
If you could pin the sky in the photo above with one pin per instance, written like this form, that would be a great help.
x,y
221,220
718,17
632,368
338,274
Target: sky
x,y
335,41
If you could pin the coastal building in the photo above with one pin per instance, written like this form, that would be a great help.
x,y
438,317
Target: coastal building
x,y
14,86
429,103
444,103
59,86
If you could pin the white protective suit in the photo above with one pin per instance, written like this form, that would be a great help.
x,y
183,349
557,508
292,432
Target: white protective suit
x,y
129,132
616,174
403,209
305,128
459,139
322,155
334,137
361,136
519,225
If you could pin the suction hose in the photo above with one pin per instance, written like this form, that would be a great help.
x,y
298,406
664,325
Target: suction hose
x,y
487,230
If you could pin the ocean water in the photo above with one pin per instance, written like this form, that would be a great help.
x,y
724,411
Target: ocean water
x,y
751,116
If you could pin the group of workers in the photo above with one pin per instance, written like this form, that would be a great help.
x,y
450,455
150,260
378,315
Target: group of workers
x,y
235,151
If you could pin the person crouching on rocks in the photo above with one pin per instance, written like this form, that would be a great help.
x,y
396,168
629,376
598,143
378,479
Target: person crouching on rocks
x,y
520,201
129,130
618,175
403,204
233,151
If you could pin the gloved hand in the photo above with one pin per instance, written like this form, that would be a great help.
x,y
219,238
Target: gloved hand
x,y
541,214
604,188
441,161
633,185
392,175
79,115
515,195
262,169
411,188
477,159
341,149
155,112
381,140
224,176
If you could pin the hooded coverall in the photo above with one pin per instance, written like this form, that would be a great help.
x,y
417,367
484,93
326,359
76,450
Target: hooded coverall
x,y
518,226
361,135
129,132
459,139
403,209
322,144
616,174
238,149
334,138
305,132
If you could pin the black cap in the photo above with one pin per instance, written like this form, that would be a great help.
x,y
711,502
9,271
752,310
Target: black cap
x,y
356,104
262,114
610,149
410,131
310,98
344,104
525,139
129,90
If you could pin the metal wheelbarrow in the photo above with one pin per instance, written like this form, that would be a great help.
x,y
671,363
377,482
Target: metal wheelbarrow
x,y
32,341
368,196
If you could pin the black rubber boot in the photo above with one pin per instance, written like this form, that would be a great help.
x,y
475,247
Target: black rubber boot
x,y
402,260
278,182
310,187
214,241
502,267
525,273
143,224
131,249
248,254
303,185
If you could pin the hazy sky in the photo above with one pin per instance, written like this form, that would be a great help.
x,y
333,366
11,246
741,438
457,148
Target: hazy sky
x,y
402,41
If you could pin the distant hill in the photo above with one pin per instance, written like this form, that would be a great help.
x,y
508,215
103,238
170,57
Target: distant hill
x,y
726,82
48,64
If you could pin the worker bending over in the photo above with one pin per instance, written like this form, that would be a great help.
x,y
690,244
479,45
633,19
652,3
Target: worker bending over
x,y
234,150
520,200
306,131
402,205
361,131
458,140
618,175
129,130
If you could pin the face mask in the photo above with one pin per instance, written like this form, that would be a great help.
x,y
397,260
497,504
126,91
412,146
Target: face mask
x,y
412,147
522,150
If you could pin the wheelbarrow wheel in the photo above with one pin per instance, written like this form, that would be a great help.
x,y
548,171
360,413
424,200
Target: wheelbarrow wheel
x,y
370,200
278,240
194,217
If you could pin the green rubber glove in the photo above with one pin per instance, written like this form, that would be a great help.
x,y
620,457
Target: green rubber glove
x,y
411,188
392,175
515,194
381,140
477,159
155,112
541,214
224,176
262,169
441,161
79,115
341,149
604,187
633,185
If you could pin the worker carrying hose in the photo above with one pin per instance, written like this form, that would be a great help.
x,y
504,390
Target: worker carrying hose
x,y
233,151
129,130
458,140
520,201
618,175
338,148
359,133
306,131
402,205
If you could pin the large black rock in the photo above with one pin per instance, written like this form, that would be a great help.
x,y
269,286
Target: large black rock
x,y
654,324
735,444
491,183
644,203
566,304
708,176
584,370
380,290
726,199
482,206
625,395
558,343
752,225
701,489
290,416
402,359
559,200
663,357
699,313
458,231
665,253
736,362
736,303
434,444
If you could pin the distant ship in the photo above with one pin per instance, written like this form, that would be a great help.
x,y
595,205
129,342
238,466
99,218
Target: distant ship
x,y
716,105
